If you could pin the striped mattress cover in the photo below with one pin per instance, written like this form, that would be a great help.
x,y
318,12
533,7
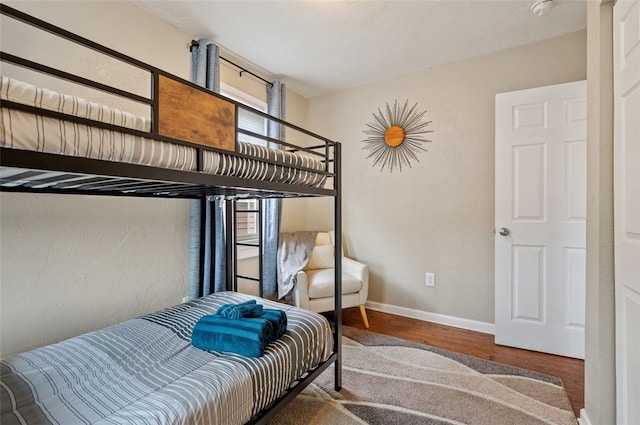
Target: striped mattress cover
x,y
145,371
27,131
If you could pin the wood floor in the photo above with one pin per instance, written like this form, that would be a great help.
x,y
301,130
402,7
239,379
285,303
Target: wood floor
x,y
477,344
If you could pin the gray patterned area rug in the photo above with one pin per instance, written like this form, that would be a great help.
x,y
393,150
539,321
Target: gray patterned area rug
x,y
390,381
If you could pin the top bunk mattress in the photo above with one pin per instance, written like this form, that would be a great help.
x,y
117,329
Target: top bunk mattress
x,y
28,131
146,371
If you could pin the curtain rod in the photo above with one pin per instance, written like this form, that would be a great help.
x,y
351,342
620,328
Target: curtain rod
x,y
195,44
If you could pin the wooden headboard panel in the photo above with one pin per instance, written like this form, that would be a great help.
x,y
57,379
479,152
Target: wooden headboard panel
x,y
189,114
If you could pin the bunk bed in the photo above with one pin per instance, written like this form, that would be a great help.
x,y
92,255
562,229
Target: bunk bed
x,y
187,148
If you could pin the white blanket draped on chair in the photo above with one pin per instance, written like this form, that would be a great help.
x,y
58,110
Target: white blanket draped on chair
x,y
294,251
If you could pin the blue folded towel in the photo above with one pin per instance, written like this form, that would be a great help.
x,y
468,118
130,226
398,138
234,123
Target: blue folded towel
x,y
246,336
238,311
278,319
222,311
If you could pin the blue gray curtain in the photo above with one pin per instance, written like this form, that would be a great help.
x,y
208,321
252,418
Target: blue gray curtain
x,y
273,207
205,65
205,71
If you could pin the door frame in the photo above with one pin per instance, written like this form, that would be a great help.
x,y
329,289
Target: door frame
x,y
626,193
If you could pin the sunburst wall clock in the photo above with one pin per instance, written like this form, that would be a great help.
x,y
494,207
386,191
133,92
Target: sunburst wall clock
x,y
396,136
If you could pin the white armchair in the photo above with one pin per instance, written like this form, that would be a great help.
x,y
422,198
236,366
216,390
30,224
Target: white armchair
x,y
315,287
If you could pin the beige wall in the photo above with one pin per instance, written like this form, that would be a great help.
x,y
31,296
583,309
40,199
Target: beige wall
x,y
71,264
437,216
599,383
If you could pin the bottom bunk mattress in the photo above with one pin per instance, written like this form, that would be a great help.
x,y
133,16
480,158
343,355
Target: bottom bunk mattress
x,y
145,371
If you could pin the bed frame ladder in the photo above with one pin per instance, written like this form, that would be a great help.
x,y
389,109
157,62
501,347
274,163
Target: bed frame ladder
x,y
232,212
232,260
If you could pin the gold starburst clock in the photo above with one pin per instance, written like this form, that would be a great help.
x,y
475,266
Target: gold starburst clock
x,y
395,136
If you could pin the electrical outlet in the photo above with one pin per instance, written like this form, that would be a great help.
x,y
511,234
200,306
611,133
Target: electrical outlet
x,y
430,279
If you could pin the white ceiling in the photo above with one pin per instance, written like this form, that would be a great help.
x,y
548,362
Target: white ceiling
x,y
319,47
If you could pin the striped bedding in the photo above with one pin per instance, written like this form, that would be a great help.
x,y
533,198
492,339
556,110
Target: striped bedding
x,y
145,371
23,130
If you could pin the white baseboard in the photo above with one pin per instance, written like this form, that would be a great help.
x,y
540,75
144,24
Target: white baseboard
x,y
584,419
472,325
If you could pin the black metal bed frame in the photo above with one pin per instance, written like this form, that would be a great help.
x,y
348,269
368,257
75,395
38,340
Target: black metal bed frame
x,y
39,172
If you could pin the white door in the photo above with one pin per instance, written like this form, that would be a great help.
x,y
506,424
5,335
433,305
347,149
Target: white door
x,y
540,218
626,53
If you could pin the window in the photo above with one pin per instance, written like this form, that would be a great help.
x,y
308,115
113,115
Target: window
x,y
247,223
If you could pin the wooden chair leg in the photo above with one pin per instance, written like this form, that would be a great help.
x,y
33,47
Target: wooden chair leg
x,y
363,312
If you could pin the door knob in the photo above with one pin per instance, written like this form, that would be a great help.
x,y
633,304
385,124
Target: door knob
x,y
504,231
